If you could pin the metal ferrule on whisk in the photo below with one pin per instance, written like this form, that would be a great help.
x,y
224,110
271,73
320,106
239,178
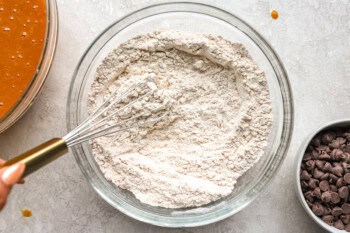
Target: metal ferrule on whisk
x,y
41,155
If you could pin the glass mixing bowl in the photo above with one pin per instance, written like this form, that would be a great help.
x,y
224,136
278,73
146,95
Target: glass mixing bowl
x,y
39,78
200,18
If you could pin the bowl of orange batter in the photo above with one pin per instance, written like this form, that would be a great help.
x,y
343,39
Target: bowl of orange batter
x,y
28,36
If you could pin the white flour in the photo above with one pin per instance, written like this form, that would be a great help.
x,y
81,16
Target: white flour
x,y
218,122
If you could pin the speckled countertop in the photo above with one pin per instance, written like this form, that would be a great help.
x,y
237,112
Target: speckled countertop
x,y
312,38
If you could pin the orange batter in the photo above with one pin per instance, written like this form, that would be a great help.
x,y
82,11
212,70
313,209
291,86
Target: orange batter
x,y
22,36
27,213
274,14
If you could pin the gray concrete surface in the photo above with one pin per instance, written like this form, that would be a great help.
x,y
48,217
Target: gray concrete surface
x,y
312,38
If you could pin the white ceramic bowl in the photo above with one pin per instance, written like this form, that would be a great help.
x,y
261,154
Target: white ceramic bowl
x,y
319,221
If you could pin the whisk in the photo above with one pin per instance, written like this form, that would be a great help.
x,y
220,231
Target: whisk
x,y
106,120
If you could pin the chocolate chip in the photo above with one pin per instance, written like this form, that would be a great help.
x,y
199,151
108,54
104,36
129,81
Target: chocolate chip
x,y
345,135
337,143
324,156
310,196
326,211
334,144
327,167
346,208
347,227
309,148
335,198
343,148
335,164
345,165
333,188
328,137
328,219
340,182
346,197
336,154
326,197
343,192
317,174
339,225
314,154
341,140
317,193
322,148
320,164
343,157
338,170
316,141
313,183
310,165
347,159
325,176
324,185
345,218
305,175
347,178
307,156
317,209
309,204
346,148
332,178
304,185
337,211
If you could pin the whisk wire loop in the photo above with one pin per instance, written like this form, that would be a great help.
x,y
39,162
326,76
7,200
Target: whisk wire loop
x,y
98,112
101,122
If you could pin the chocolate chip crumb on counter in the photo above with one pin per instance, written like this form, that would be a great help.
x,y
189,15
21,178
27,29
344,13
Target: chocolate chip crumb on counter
x,y
325,177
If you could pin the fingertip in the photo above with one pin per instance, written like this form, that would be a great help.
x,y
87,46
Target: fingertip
x,y
13,174
2,162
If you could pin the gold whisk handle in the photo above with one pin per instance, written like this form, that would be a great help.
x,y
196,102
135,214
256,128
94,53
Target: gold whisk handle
x,y
40,156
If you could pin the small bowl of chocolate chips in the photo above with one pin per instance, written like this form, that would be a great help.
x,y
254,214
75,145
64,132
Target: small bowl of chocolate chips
x,y
323,176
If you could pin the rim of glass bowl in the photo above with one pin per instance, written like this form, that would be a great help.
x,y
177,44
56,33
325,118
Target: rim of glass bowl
x,y
273,163
44,66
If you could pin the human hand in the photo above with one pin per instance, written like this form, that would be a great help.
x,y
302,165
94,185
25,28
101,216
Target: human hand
x,y
8,177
